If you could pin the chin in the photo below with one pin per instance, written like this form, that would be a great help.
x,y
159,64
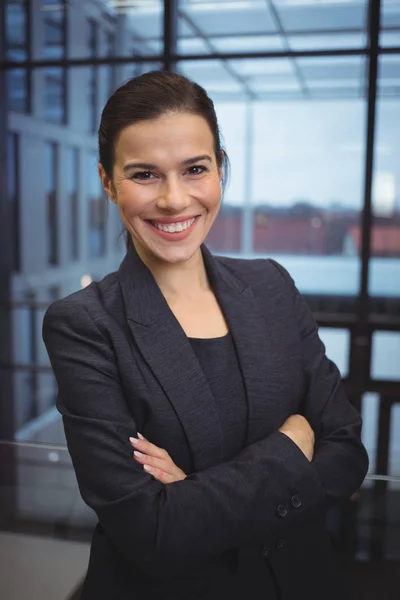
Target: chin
x,y
176,255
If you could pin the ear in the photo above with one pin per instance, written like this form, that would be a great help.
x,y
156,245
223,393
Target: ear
x,y
220,169
107,183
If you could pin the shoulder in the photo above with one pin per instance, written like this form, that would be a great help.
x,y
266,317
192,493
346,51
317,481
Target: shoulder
x,y
92,300
258,272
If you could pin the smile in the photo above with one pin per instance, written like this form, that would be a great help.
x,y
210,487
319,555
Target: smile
x,y
173,227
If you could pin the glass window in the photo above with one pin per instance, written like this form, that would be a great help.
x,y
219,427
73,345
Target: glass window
x,y
51,193
324,17
72,171
16,28
385,235
54,47
54,97
369,433
16,49
337,344
109,70
386,355
297,163
97,205
92,87
13,192
137,26
210,27
17,90
390,23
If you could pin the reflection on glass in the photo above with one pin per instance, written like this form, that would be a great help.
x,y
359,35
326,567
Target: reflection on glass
x,y
385,235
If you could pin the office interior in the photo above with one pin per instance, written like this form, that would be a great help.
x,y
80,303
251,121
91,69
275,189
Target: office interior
x,y
308,97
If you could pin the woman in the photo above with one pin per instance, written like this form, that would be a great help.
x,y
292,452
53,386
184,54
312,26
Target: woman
x,y
207,428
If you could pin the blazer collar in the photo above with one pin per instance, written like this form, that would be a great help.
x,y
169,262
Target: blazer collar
x,y
144,301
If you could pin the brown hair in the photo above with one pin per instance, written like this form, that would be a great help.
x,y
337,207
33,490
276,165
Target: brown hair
x,y
150,96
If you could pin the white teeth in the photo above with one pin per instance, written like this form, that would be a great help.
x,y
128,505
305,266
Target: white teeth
x,y
173,227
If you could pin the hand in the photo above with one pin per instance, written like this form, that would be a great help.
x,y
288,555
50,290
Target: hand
x,y
156,461
298,429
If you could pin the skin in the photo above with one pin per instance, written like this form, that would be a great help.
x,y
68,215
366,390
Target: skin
x,y
169,190
181,179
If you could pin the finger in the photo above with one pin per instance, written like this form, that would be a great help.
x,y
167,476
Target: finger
x,y
148,448
157,463
159,474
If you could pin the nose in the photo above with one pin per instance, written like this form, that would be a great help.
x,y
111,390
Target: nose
x,y
174,197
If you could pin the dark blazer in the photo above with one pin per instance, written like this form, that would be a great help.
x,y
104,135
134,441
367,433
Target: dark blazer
x,y
251,524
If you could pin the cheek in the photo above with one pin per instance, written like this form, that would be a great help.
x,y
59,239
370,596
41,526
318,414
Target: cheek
x,y
211,194
132,199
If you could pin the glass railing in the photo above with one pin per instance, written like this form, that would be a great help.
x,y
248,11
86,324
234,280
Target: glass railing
x,y
44,520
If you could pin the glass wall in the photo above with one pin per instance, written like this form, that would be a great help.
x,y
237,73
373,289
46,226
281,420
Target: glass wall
x,y
291,86
295,101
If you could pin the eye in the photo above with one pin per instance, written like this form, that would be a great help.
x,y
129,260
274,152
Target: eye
x,y
196,170
143,176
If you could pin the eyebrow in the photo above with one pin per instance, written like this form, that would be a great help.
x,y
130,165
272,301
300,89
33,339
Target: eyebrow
x,y
149,166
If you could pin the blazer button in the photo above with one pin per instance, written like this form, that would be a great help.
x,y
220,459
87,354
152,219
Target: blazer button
x,y
265,553
280,544
296,501
281,511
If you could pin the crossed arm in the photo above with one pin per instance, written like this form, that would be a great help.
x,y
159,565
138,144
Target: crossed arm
x,y
158,463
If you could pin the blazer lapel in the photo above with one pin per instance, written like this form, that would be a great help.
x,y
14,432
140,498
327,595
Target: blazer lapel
x,y
254,341
167,351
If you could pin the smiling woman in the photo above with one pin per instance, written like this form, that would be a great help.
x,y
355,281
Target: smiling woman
x,y
166,181
246,436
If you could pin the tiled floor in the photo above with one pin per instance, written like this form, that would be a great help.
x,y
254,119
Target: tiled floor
x,y
36,568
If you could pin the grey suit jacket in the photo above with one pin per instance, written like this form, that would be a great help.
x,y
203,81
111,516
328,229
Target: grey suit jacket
x,y
123,364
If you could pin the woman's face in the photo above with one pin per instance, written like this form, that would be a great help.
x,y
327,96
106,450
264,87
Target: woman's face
x,y
166,183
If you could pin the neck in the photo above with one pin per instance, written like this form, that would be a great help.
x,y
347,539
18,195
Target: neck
x,y
179,280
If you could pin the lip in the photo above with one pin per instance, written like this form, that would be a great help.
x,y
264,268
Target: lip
x,y
169,220
178,235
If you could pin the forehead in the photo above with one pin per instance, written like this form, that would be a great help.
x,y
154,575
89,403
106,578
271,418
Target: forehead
x,y
177,136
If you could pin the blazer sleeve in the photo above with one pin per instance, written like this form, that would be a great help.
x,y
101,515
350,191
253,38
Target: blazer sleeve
x,y
340,459
164,529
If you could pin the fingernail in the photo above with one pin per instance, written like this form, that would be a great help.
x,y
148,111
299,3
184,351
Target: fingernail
x,y
138,454
147,468
140,436
133,440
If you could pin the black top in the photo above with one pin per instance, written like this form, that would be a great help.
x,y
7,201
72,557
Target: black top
x,y
218,359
